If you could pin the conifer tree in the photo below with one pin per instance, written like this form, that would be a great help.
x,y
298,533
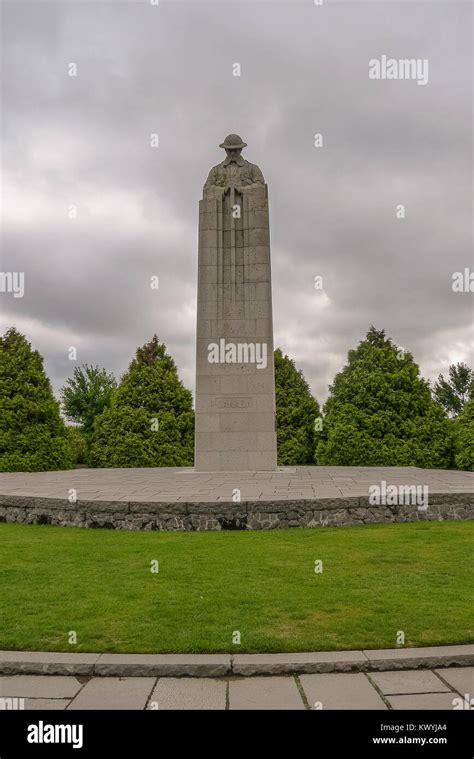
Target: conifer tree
x,y
150,421
380,412
33,437
297,412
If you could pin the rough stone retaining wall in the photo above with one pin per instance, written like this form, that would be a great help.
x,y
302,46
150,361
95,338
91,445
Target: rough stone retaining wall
x,y
248,515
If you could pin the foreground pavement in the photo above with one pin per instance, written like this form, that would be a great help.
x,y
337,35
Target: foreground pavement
x,y
439,677
429,689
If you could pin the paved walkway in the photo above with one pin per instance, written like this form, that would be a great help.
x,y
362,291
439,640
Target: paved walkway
x,y
408,689
174,485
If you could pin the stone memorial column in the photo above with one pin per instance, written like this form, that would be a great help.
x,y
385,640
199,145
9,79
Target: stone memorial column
x,y
235,383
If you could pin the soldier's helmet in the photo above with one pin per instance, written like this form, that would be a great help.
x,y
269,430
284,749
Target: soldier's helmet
x,y
233,141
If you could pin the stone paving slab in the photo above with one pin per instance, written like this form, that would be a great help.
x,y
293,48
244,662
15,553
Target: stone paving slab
x,y
114,693
265,693
403,681
341,691
423,701
188,693
40,686
462,679
48,704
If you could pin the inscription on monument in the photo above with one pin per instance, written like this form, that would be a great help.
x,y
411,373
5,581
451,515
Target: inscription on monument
x,y
233,402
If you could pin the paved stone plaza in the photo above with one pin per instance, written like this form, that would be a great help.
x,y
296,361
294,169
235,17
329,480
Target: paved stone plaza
x,y
182,499
408,689
183,484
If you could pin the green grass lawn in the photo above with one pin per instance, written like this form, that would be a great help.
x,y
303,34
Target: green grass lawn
x,y
376,580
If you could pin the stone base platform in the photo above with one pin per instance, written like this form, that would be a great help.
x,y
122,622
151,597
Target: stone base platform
x,y
182,499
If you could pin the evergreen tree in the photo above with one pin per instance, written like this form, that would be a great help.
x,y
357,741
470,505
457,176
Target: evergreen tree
x,y
150,421
464,438
33,436
86,394
380,412
453,393
296,411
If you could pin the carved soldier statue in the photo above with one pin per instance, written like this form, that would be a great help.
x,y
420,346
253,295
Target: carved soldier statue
x,y
234,171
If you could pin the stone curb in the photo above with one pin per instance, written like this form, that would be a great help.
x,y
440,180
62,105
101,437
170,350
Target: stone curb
x,y
353,661
163,665
220,665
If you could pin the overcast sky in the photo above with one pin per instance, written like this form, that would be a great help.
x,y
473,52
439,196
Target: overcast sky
x,y
168,69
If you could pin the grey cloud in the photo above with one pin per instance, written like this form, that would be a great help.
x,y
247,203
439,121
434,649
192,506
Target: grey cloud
x,y
167,69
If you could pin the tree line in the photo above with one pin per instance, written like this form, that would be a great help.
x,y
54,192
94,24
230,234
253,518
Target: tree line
x,y
380,412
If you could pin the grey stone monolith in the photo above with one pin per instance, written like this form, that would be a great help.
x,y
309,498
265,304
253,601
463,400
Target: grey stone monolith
x,y
235,383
